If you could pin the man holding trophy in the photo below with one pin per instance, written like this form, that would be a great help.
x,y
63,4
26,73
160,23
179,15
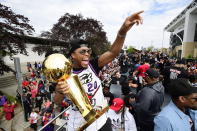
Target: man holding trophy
x,y
87,71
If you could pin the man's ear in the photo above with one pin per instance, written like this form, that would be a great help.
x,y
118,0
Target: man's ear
x,y
72,55
182,99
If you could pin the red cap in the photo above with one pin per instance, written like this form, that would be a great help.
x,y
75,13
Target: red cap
x,y
117,104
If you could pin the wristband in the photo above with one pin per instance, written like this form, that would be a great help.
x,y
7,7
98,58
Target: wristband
x,y
121,36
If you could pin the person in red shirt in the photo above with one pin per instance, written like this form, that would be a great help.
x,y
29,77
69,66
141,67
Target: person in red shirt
x,y
142,69
33,95
33,92
140,73
8,108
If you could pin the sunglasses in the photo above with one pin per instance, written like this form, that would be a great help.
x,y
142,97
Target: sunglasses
x,y
84,51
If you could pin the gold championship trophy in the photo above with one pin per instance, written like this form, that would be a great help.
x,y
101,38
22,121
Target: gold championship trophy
x,y
57,67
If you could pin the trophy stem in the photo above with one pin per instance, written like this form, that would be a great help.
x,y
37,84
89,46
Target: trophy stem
x,y
90,115
98,114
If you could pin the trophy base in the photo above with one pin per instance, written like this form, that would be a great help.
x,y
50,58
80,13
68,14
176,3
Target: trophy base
x,y
98,114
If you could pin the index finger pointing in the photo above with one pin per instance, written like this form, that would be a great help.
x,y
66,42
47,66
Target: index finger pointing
x,y
139,12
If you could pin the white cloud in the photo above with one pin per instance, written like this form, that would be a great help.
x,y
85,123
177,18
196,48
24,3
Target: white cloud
x,y
166,1
111,13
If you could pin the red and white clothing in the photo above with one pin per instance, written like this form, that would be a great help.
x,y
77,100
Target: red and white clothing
x,y
33,118
117,120
33,92
9,111
142,69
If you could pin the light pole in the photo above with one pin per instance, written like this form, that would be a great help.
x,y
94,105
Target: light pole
x,y
162,41
19,77
181,43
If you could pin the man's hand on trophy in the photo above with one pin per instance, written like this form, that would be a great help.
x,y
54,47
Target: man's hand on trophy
x,y
62,87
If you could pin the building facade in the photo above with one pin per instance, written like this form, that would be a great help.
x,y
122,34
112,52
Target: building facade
x,y
183,28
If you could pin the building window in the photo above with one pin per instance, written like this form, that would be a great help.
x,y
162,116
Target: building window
x,y
195,36
175,41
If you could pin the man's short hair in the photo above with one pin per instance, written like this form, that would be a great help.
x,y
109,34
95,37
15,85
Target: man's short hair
x,y
181,87
152,73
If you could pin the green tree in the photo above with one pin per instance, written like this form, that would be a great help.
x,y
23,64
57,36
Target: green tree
x,y
71,27
131,49
189,56
150,48
11,25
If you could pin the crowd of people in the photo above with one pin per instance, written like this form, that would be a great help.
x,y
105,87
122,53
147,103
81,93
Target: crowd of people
x,y
151,82
37,98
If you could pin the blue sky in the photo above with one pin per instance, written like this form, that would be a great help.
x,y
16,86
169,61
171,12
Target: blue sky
x,y
161,8
111,13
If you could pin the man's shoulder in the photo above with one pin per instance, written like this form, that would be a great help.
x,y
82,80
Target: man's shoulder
x,y
110,112
146,91
148,88
167,112
158,87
